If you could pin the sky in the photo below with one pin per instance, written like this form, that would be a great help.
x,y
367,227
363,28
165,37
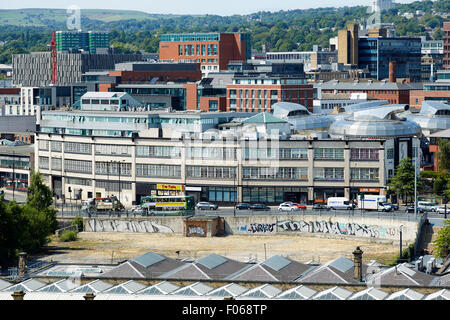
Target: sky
x,y
219,7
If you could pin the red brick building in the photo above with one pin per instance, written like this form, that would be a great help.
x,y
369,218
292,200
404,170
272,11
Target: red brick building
x,y
395,93
212,50
258,94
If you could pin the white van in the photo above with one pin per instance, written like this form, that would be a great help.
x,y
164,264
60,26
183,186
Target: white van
x,y
373,202
340,203
427,206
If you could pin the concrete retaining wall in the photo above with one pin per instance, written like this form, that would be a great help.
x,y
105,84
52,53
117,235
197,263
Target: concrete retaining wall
x,y
268,225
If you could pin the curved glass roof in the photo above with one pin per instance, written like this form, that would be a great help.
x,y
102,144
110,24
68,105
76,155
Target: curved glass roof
x,y
374,127
310,122
434,116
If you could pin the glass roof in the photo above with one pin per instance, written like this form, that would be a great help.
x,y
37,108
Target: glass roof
x,y
300,292
27,286
277,263
212,261
148,259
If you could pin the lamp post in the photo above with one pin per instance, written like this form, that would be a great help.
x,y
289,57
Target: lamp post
x,y
415,180
14,174
401,242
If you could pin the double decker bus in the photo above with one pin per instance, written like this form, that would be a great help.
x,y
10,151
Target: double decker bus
x,y
168,204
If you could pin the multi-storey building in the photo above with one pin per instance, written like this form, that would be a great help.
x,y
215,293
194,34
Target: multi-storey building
x,y
98,153
77,40
375,54
433,91
311,60
394,93
446,30
213,50
348,45
34,69
257,93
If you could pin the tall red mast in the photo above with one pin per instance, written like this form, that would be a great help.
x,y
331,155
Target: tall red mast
x,y
54,58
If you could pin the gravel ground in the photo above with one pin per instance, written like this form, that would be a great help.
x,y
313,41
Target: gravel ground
x,y
101,248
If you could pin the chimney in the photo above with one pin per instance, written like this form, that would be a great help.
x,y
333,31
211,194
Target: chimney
x,y
393,72
357,254
89,296
22,264
18,295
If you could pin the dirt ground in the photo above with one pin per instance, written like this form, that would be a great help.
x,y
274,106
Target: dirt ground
x,y
102,248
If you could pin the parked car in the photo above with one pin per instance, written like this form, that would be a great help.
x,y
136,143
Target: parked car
x,y
441,209
206,206
260,207
288,207
427,206
243,206
394,207
139,210
318,206
300,206
410,209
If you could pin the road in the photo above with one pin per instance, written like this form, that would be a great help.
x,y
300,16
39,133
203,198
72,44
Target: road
x,y
434,218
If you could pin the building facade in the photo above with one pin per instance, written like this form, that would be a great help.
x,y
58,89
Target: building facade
x,y
213,50
375,54
446,29
77,40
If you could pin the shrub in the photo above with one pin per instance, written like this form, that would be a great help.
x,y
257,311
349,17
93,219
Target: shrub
x,y
78,221
68,236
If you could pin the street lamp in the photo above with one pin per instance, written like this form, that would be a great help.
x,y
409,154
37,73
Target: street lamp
x,y
401,240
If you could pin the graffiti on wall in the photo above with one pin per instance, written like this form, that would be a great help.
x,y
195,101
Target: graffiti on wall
x,y
196,231
95,225
351,229
258,228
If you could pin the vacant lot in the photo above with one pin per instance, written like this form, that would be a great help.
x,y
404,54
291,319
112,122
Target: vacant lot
x,y
114,247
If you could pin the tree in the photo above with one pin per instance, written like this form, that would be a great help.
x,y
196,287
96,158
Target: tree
x,y
40,198
442,241
402,183
444,155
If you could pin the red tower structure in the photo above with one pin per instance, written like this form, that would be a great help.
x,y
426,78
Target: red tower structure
x,y
54,58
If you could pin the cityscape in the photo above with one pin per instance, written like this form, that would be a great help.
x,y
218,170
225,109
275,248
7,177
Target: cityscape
x,y
276,156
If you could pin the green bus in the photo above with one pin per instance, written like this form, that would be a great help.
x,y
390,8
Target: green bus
x,y
168,205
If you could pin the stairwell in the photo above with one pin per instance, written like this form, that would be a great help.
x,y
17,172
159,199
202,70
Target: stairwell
x,y
430,234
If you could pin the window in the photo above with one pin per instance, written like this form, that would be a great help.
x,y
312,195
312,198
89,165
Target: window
x,y
107,149
112,168
213,105
43,145
198,172
156,170
79,166
260,173
43,163
75,147
56,164
56,146
329,174
364,174
293,154
158,152
210,153
328,154
364,154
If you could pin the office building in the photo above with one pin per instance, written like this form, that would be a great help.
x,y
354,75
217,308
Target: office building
x,y
382,5
77,40
348,45
375,54
438,90
34,69
212,50
311,60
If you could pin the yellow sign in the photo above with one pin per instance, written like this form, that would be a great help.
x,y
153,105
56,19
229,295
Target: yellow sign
x,y
171,204
169,187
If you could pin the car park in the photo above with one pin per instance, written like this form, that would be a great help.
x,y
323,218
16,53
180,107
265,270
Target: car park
x,y
260,207
288,207
206,206
243,206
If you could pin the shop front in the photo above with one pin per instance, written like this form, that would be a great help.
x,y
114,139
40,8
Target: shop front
x,y
321,195
274,195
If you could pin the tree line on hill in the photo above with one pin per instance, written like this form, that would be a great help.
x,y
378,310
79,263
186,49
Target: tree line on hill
x,y
273,31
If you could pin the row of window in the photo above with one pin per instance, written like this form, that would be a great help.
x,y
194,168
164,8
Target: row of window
x,y
226,173
197,50
252,173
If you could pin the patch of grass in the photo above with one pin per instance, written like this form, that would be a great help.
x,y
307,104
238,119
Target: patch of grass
x,y
68,236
